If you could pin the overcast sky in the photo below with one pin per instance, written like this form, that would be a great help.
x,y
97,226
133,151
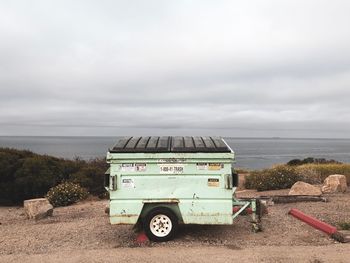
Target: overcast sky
x,y
231,68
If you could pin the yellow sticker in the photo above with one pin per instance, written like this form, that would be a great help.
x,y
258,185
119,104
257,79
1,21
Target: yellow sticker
x,y
213,182
215,166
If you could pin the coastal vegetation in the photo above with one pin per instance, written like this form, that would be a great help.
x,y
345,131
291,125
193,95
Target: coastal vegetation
x,y
311,160
344,225
285,175
66,194
278,177
25,175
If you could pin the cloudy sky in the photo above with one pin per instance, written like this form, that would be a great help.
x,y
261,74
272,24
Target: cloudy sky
x,y
232,68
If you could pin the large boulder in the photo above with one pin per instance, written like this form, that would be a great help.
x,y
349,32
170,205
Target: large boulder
x,y
38,208
302,188
335,183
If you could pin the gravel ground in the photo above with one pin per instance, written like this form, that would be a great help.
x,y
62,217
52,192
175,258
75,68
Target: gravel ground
x,y
281,254
85,227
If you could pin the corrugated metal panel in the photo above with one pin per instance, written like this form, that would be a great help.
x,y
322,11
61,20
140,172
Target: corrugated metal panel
x,y
155,144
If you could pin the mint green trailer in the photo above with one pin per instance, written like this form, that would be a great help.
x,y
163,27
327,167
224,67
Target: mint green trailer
x,y
161,182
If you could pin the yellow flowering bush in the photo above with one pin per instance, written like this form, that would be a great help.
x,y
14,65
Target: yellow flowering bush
x,y
278,177
66,194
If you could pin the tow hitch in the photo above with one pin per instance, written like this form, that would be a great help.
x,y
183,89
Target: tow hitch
x,y
251,206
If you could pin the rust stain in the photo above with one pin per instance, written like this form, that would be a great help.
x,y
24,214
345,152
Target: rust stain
x,y
208,214
170,200
125,215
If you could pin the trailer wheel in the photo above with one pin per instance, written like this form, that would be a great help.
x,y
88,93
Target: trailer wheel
x,y
160,224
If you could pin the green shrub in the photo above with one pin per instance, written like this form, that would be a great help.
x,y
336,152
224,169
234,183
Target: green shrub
x,y
344,225
66,194
278,177
25,175
35,176
91,176
312,160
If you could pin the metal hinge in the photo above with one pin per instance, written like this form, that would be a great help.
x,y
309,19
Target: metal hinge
x,y
228,181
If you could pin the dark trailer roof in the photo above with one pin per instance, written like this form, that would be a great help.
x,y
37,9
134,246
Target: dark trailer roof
x,y
155,144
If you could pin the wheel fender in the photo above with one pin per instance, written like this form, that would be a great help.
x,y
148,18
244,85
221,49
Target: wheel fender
x,y
147,207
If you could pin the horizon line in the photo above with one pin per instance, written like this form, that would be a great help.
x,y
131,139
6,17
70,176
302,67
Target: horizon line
x,y
229,137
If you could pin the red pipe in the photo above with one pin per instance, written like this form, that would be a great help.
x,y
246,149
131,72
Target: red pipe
x,y
328,229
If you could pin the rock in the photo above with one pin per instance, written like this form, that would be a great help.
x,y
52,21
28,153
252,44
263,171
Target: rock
x,y
301,188
38,208
335,183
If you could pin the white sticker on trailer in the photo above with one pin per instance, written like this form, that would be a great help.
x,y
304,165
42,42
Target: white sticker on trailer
x,y
128,183
171,168
140,167
127,167
202,166
133,167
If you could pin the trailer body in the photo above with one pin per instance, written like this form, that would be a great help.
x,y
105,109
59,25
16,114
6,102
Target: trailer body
x,y
190,176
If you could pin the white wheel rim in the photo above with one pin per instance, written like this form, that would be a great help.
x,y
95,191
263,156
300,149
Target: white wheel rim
x,y
160,225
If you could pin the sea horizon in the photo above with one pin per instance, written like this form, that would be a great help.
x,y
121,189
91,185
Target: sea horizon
x,y
250,152
230,137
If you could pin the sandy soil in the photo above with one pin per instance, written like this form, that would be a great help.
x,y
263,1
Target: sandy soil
x,y
82,233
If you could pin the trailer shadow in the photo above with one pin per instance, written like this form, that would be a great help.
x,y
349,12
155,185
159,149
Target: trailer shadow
x,y
207,234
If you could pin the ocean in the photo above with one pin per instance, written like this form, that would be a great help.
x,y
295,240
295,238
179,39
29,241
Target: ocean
x,y
251,153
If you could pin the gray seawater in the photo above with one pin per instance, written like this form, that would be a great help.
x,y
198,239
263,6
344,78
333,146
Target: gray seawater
x,y
251,153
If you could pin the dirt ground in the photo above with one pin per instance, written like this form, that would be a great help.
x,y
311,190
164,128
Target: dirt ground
x,y
82,233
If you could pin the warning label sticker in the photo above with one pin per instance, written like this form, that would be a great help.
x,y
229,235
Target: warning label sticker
x,y
202,166
213,182
140,167
215,166
127,167
133,167
128,183
210,166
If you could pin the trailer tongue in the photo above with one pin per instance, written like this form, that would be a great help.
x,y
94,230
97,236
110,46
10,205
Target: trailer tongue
x,y
160,182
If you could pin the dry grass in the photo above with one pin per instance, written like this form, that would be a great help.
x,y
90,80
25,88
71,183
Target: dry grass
x,y
284,176
316,173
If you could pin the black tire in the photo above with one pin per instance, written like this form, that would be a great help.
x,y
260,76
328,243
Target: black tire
x,y
163,219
